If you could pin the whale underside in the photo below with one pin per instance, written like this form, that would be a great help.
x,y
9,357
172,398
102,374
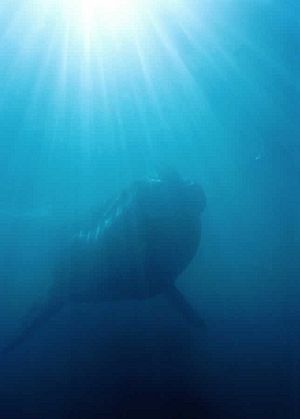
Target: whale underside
x,y
136,250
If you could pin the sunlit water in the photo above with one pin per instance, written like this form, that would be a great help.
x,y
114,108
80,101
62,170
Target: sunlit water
x,y
95,95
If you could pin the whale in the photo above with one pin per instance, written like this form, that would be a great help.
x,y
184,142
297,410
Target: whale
x,y
136,249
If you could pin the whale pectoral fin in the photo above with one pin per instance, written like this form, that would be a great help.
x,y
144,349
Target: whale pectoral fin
x,y
39,317
177,299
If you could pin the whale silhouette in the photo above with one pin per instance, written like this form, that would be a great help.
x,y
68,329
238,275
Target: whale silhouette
x,y
136,250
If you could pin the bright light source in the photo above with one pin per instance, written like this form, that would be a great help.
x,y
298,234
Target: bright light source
x,y
106,16
94,64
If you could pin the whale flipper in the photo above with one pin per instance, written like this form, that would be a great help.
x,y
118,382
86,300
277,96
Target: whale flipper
x,y
41,316
177,299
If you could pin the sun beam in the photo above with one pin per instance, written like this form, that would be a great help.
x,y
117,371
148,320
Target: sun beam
x,y
97,62
107,17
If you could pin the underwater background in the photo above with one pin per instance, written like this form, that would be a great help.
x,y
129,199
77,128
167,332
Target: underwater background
x,y
87,106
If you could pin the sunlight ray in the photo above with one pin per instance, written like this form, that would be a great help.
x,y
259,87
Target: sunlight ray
x,y
97,54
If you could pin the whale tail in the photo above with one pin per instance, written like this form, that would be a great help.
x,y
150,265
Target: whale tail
x,y
39,316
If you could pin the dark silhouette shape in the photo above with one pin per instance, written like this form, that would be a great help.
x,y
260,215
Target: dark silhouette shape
x,y
144,241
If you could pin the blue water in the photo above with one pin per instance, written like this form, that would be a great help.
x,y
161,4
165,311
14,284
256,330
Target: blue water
x,y
210,89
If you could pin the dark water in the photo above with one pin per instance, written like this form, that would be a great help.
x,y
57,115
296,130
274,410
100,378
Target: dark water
x,y
210,89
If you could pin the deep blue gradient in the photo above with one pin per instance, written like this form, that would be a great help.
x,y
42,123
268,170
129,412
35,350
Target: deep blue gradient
x,y
211,89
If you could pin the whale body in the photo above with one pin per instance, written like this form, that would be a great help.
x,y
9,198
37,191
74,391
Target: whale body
x,y
135,250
